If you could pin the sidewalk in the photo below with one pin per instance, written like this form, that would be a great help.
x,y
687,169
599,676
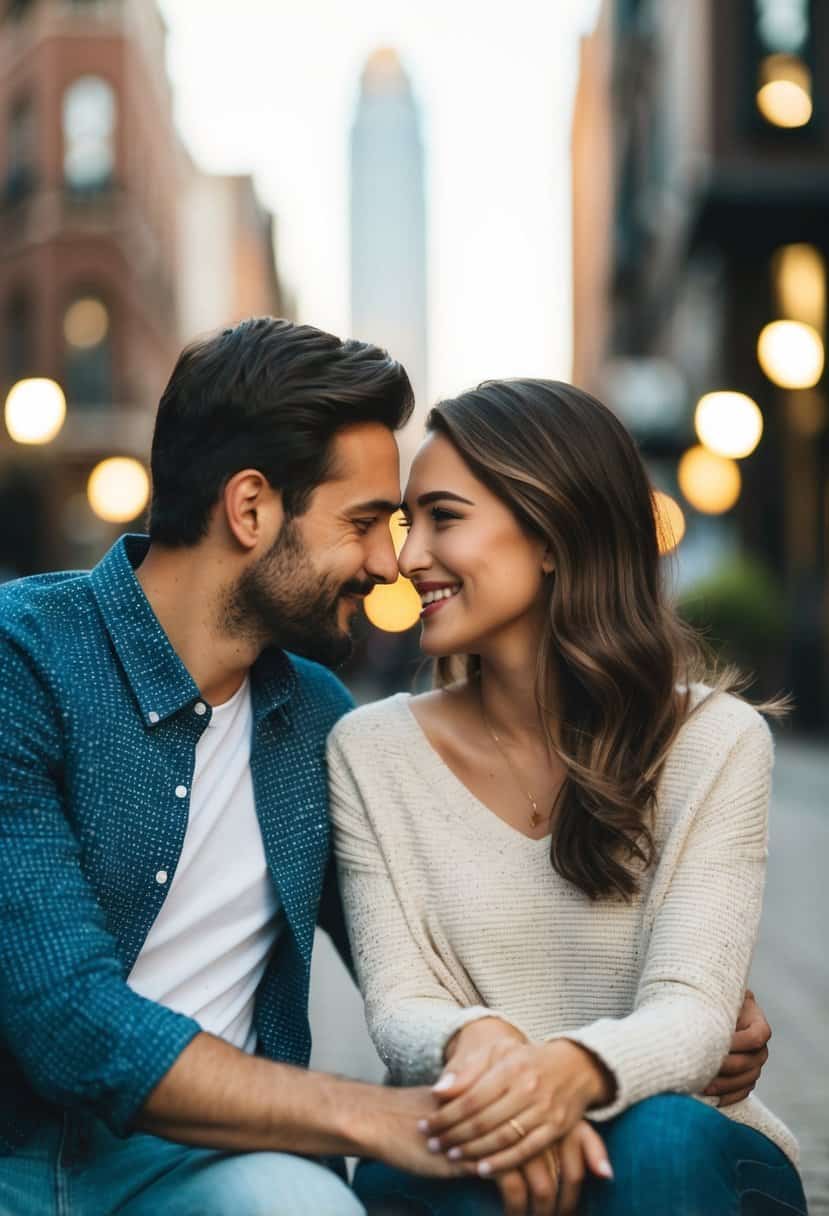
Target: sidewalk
x,y
791,967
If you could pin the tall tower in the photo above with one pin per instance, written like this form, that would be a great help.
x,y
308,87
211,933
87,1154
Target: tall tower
x,y
388,221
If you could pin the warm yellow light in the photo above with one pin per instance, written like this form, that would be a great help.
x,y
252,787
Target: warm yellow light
x,y
35,410
711,483
399,532
791,354
670,521
784,97
799,275
85,323
729,424
118,489
393,607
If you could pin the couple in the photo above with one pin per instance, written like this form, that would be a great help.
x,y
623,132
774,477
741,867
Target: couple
x,y
551,865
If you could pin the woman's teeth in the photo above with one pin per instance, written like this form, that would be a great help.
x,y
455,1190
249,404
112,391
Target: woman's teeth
x,y
445,593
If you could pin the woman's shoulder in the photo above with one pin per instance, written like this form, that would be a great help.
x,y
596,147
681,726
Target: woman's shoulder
x,y
716,723
372,724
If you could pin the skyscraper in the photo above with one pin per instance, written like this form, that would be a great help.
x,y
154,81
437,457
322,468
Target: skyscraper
x,y
388,220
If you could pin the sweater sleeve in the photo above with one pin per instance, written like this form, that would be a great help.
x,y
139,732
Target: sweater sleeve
x,y
700,949
410,1010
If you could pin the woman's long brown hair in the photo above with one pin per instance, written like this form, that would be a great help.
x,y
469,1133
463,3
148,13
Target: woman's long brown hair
x,y
616,661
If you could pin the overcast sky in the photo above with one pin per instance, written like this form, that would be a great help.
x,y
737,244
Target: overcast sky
x,y
269,87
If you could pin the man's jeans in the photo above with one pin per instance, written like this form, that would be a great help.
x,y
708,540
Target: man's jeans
x,y
671,1156
81,1169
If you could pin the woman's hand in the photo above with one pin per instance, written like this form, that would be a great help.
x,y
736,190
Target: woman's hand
x,y
741,1068
530,1097
550,1184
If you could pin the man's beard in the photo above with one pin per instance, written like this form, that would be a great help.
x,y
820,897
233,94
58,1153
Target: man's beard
x,y
281,600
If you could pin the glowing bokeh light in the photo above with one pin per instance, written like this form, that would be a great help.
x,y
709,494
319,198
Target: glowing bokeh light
x,y
85,323
670,521
393,607
799,276
791,354
710,483
729,424
35,410
784,97
118,489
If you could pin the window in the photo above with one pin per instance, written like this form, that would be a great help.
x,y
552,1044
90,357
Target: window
x,y
89,111
20,176
88,352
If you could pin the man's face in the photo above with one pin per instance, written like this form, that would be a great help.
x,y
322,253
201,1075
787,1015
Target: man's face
x,y
302,594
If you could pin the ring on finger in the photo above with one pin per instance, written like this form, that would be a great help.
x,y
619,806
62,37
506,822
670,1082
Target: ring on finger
x,y
518,1129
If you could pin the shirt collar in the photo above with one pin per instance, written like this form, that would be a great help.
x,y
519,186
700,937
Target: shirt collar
x,y
160,682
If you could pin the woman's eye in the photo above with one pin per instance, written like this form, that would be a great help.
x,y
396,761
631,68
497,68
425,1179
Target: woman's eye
x,y
439,515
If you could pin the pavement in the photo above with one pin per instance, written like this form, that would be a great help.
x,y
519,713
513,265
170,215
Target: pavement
x,y
790,974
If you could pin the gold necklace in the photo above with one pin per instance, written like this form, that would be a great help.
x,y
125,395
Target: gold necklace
x,y
535,815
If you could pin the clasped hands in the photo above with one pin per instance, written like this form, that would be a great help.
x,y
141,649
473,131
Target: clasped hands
x,y
513,1110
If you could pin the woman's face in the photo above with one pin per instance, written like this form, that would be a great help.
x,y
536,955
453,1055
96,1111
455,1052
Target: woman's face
x,y
478,573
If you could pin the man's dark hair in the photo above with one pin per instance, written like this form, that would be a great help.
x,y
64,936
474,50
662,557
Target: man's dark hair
x,y
266,395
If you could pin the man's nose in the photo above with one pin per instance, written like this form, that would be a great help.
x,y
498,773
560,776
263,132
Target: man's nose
x,y
381,563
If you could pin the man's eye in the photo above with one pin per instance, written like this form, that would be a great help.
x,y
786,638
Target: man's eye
x,y
364,525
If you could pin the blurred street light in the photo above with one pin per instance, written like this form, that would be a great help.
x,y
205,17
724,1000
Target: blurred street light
x,y
791,354
35,410
799,277
85,323
393,607
670,521
118,489
729,424
784,97
710,483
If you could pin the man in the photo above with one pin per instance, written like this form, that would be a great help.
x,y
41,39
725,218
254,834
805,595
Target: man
x,y
164,847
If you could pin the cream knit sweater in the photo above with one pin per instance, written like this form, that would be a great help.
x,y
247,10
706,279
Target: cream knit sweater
x,y
453,914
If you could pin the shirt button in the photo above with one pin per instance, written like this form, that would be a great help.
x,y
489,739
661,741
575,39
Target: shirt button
x,y
161,877
200,708
181,791
153,716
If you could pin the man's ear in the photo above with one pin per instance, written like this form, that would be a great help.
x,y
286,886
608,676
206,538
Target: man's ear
x,y
252,508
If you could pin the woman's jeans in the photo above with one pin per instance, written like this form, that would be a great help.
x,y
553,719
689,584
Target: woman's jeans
x,y
671,1156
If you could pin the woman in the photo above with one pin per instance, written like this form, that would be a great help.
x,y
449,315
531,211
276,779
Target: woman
x,y
553,863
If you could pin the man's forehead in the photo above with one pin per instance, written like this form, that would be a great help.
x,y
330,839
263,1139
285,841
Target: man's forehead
x,y
365,466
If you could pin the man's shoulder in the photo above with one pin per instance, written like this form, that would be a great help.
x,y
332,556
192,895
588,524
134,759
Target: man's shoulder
x,y
37,608
320,692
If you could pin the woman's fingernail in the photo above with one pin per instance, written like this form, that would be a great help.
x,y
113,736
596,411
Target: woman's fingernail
x,y
446,1080
484,1169
455,1154
423,1125
433,1144
605,1169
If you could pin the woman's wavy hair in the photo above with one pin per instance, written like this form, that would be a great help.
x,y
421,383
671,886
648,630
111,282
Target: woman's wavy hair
x,y
616,661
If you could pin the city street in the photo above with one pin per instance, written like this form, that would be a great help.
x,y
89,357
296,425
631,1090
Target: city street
x,y
790,973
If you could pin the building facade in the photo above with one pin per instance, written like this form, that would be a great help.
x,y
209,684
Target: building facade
x,y
718,228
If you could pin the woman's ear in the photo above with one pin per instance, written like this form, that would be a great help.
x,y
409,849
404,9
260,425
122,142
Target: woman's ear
x,y
547,565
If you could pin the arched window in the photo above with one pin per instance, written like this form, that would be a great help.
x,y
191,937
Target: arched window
x,y
89,114
88,352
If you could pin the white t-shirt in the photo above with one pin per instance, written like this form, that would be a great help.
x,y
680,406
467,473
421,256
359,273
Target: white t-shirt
x,y
208,948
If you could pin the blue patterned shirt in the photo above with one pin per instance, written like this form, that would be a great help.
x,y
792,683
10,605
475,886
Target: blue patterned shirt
x,y
99,721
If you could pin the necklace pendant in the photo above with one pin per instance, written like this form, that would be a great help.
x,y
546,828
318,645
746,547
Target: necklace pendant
x,y
535,819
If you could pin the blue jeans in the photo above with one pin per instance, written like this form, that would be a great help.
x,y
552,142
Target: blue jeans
x,y
81,1169
671,1156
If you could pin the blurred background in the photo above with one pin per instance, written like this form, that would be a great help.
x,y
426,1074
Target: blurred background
x,y
629,194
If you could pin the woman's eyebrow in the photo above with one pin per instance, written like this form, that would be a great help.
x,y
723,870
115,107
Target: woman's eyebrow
x,y
434,496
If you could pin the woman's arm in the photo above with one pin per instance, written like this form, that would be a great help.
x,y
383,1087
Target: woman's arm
x,y
411,1013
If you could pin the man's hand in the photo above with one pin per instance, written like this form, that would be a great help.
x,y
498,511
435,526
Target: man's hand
x,y
529,1098
741,1068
